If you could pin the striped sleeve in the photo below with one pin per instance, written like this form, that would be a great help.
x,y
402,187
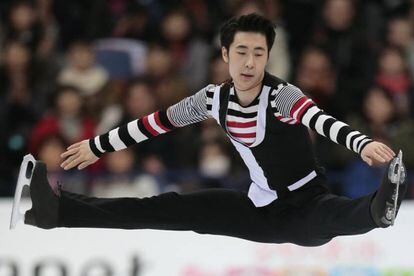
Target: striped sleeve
x,y
291,106
132,133
190,110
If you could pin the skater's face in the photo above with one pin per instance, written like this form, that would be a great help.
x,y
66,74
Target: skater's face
x,y
247,58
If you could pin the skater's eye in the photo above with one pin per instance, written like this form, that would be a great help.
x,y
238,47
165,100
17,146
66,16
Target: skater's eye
x,y
241,53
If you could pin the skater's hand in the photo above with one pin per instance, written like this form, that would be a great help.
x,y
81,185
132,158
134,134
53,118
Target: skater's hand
x,y
376,153
79,154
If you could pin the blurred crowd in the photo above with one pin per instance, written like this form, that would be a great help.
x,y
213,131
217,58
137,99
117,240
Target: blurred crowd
x,y
70,70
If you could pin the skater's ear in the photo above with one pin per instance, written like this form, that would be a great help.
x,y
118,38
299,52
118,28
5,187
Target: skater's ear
x,y
225,54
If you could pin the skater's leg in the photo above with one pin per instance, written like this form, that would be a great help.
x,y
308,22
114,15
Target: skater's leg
x,y
334,215
218,211
213,211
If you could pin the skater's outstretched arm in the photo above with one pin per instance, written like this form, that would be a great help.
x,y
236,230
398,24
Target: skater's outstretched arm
x,y
190,110
291,106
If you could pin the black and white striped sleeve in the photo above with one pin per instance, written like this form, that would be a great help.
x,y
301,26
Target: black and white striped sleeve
x,y
132,133
190,110
291,106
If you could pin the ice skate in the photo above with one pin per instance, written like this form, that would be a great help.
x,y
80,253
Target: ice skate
x,y
387,201
45,200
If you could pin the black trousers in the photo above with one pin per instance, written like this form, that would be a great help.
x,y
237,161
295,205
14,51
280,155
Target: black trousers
x,y
310,216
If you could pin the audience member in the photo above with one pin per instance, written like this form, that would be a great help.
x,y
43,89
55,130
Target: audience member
x,y
122,179
81,70
393,75
189,52
340,35
66,119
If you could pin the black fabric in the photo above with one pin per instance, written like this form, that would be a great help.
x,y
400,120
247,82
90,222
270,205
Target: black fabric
x,y
106,146
273,80
327,126
165,121
341,138
94,149
125,137
241,114
45,202
234,98
359,143
224,101
143,129
286,154
310,216
312,122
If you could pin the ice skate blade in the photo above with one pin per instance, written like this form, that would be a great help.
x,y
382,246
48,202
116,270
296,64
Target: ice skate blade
x,y
396,172
25,177
397,180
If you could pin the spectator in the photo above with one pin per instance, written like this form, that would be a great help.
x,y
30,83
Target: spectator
x,y
134,23
189,53
50,149
401,35
214,164
344,40
50,27
16,75
218,70
393,75
18,110
122,179
139,101
23,25
2,36
169,86
66,119
206,15
316,76
81,70
379,121
82,20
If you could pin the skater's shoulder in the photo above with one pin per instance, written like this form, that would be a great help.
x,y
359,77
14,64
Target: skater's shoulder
x,y
285,89
209,90
273,81
212,88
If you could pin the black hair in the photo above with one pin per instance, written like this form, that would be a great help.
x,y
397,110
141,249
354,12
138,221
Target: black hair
x,y
247,23
60,89
144,80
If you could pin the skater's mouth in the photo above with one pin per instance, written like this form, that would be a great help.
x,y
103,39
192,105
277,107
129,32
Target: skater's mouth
x,y
247,75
